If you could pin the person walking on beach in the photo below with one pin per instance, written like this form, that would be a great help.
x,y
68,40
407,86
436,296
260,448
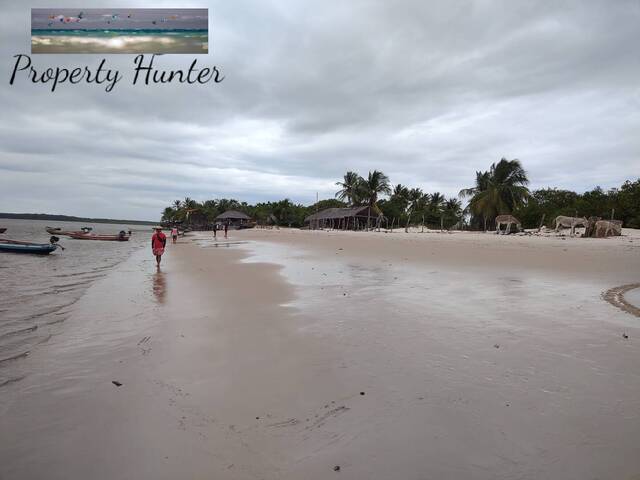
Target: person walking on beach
x,y
215,230
174,234
158,242
226,229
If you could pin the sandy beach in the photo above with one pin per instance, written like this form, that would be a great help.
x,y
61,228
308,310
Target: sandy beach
x,y
288,354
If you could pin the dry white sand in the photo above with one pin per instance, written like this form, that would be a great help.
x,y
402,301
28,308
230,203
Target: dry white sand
x,y
479,356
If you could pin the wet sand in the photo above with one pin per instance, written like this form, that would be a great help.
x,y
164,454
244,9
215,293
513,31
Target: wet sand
x,y
389,355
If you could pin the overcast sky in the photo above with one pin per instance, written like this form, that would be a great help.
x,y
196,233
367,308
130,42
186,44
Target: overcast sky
x,y
426,91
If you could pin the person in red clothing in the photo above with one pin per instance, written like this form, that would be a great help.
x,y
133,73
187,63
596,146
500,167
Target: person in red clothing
x,y
158,242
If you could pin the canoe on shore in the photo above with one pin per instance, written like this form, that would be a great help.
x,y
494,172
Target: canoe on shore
x,y
16,246
93,236
59,231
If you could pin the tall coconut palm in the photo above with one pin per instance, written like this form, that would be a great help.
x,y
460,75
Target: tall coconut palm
x,y
375,184
350,188
415,201
435,202
498,191
189,203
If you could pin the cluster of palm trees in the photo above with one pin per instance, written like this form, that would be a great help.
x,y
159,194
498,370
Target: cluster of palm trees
x,y
500,190
201,214
191,211
405,205
356,190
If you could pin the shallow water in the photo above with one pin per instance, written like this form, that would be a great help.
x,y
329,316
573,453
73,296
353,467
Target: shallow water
x,y
38,292
495,373
119,41
633,297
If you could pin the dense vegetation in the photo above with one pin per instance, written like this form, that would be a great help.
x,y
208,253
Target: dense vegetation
x,y
500,190
550,202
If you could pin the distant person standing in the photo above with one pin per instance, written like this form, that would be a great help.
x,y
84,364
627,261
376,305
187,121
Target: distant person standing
x,y
215,230
174,234
158,243
226,229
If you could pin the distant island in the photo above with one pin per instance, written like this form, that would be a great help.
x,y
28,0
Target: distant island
x,y
68,218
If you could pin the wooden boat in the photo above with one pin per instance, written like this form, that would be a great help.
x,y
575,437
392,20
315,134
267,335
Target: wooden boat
x,y
16,246
2,230
122,237
59,231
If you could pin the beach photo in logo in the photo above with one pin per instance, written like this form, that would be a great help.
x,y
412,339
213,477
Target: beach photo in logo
x,y
120,30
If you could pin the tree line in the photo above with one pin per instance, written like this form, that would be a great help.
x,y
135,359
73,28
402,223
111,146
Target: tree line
x,y
502,189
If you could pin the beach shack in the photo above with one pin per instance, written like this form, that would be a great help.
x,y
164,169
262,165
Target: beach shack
x,y
351,218
234,218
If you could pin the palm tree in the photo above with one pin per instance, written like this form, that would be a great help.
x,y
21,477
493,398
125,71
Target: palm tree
x,y
435,202
453,206
400,192
451,211
375,184
509,180
177,204
350,188
498,191
482,183
189,203
415,200
190,207
168,214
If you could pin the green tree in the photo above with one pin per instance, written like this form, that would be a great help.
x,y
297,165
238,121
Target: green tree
x,y
376,184
350,188
499,191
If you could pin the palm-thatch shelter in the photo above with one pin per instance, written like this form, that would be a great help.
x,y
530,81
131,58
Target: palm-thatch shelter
x,y
351,218
233,218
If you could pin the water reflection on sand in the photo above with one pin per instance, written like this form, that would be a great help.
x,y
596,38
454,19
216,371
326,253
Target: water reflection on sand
x,y
159,286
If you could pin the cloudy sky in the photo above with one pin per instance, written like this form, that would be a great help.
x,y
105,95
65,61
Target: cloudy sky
x,y
426,91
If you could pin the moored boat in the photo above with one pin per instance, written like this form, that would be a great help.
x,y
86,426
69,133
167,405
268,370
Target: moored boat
x,y
121,237
16,246
59,231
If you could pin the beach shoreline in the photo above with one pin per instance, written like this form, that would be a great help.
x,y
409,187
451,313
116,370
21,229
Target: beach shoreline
x,y
388,355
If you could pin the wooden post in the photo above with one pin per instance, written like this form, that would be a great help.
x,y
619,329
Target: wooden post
x,y
541,222
422,224
441,223
392,222
612,212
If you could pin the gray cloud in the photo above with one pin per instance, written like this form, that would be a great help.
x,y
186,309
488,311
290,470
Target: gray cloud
x,y
428,92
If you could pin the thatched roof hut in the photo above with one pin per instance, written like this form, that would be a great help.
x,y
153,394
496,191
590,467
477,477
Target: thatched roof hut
x,y
233,217
344,218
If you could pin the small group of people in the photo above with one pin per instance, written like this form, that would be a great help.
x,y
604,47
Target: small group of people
x,y
159,239
159,242
225,227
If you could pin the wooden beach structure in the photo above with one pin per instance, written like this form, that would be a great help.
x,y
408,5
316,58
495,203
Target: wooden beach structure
x,y
350,218
234,218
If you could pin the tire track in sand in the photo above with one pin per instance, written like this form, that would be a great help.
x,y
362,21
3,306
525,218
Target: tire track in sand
x,y
615,296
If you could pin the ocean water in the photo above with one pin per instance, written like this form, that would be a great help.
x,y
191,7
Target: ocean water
x,y
134,40
38,292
